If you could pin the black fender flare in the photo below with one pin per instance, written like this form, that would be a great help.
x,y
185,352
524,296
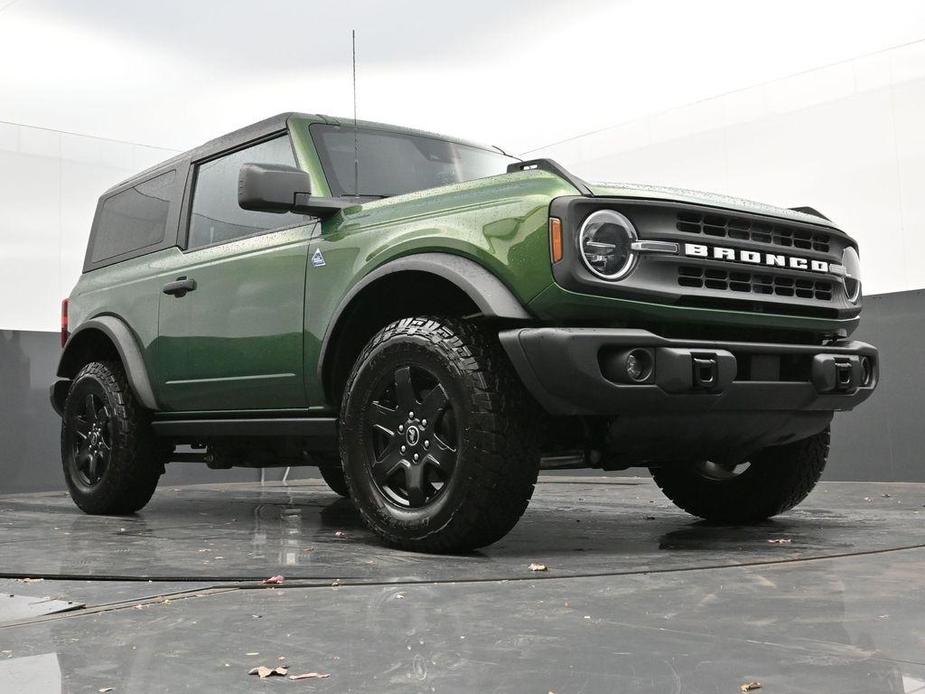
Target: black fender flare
x,y
492,297
129,352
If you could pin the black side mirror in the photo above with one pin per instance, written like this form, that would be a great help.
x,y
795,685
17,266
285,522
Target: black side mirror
x,y
271,187
278,188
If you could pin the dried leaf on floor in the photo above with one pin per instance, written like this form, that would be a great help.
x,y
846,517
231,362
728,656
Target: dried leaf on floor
x,y
780,541
104,690
29,580
749,686
311,676
263,671
273,580
538,567
340,533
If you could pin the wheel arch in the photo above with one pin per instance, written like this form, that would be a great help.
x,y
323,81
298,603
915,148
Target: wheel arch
x,y
107,337
439,283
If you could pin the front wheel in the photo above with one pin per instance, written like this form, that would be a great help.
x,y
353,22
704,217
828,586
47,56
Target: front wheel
x,y
437,437
772,481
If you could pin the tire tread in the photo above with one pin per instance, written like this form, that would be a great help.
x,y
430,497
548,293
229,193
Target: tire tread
x,y
779,478
504,460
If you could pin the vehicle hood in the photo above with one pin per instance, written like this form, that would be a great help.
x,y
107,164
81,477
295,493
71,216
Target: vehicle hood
x,y
726,202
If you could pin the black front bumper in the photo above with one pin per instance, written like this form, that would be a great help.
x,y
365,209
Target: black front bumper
x,y
580,371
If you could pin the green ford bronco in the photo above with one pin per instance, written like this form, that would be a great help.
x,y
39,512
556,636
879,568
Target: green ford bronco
x,y
431,322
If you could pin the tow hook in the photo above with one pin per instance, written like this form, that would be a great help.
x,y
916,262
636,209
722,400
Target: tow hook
x,y
835,373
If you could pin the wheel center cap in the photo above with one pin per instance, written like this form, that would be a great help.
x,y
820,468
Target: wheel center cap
x,y
412,435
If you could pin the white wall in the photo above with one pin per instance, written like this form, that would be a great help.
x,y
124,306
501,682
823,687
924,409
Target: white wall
x,y
49,184
848,139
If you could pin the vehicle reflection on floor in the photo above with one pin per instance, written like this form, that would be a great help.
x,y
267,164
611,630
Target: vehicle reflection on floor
x,y
637,597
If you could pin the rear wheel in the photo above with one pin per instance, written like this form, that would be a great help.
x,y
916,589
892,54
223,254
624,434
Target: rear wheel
x,y
772,481
112,461
436,437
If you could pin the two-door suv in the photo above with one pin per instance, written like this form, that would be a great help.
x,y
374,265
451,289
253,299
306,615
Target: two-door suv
x,y
430,322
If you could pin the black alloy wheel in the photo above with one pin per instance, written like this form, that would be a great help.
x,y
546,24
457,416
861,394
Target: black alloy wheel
x,y
412,437
437,436
112,460
90,438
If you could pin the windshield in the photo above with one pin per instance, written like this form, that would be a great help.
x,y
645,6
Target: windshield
x,y
393,163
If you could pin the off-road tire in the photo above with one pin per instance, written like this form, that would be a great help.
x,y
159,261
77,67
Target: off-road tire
x,y
332,472
497,458
777,479
136,457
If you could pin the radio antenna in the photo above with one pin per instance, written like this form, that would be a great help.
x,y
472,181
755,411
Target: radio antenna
x,y
356,146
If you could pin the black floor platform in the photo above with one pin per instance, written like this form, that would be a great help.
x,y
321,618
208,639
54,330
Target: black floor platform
x,y
637,596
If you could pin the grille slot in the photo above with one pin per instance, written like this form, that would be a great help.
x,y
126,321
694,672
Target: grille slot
x,y
726,226
754,283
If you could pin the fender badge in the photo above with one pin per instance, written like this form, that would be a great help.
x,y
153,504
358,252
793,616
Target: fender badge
x,y
318,259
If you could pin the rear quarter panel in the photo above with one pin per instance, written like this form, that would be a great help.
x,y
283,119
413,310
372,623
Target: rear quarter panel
x,y
129,290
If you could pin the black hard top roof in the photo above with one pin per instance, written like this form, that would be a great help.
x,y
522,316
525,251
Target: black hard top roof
x,y
265,127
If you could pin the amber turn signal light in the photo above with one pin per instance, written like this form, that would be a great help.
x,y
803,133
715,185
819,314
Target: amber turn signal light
x,y
555,238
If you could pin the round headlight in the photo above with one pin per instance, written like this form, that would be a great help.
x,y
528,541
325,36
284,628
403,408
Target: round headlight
x,y
852,264
605,239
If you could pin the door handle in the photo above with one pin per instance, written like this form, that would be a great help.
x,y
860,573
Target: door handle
x,y
180,287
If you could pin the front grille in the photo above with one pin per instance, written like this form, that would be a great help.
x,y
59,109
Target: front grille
x,y
754,282
726,226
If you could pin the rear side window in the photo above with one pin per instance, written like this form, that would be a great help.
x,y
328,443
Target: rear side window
x,y
216,216
133,219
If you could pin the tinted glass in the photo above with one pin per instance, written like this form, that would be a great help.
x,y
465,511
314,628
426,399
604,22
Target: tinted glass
x,y
134,219
392,163
216,216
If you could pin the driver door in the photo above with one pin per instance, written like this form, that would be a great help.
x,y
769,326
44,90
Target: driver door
x,y
230,324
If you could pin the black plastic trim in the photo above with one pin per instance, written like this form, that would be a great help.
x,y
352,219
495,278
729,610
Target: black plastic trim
x,y
552,167
307,427
323,208
811,211
57,393
492,297
563,369
129,352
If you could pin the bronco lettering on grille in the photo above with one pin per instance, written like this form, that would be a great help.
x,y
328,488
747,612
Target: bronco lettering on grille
x,y
737,255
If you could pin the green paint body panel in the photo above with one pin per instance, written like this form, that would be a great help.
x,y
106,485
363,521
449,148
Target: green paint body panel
x,y
236,342
250,337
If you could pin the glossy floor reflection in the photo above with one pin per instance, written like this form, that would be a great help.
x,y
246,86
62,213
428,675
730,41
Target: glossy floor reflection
x,y
638,597
577,526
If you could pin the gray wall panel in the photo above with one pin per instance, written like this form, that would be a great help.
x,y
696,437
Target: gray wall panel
x,y
30,458
881,441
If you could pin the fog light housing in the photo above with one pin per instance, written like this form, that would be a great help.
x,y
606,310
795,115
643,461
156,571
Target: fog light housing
x,y
638,365
633,366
